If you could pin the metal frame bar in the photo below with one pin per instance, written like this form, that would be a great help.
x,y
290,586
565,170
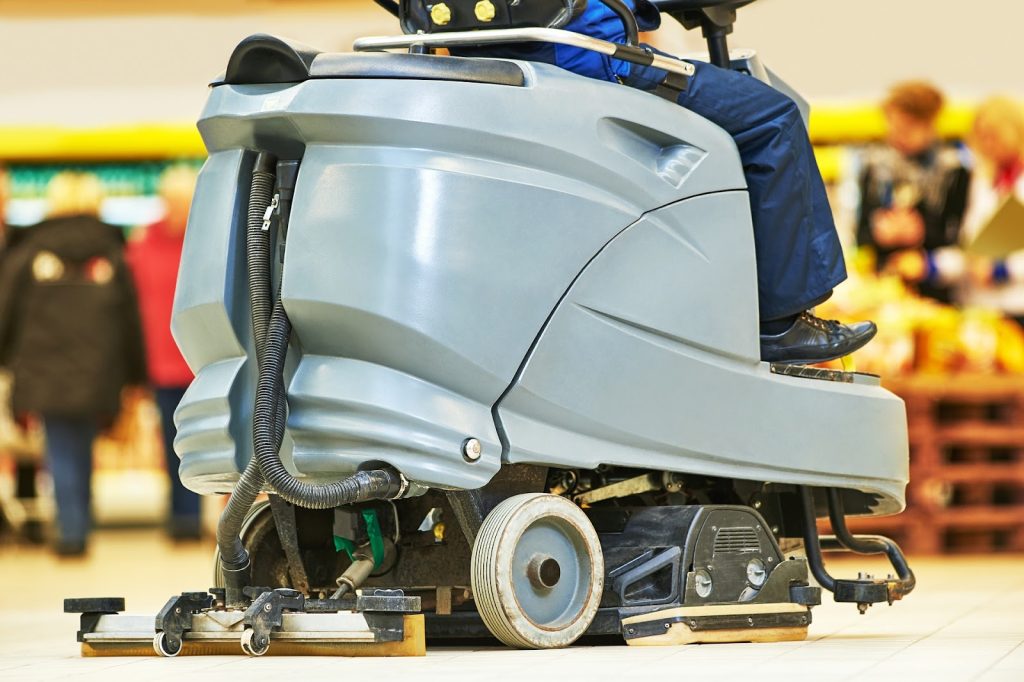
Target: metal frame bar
x,y
525,35
894,587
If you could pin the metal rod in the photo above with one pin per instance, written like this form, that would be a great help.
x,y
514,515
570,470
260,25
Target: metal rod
x,y
845,540
812,545
525,35
868,544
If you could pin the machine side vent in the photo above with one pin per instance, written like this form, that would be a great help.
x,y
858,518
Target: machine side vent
x,y
672,159
736,539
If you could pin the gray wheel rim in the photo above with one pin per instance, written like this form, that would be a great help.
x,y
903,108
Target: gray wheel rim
x,y
546,605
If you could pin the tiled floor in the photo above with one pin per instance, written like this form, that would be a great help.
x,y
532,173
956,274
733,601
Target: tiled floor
x,y
964,622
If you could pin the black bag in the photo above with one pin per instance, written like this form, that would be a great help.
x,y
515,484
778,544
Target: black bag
x,y
438,16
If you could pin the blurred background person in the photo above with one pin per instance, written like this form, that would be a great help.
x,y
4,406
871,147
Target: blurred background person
x,y
913,192
22,511
997,139
154,258
69,334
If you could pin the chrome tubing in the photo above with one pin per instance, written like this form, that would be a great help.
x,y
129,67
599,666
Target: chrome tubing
x,y
635,55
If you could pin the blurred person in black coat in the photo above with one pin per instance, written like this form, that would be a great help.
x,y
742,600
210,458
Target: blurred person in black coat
x,y
25,467
913,192
70,335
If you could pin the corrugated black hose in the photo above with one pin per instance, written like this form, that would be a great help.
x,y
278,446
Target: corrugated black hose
x,y
374,484
271,332
234,558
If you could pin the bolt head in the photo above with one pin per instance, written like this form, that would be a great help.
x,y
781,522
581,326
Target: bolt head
x,y
472,449
756,572
702,583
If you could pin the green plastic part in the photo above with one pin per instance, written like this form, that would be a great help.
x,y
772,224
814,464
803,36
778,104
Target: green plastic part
x,y
376,539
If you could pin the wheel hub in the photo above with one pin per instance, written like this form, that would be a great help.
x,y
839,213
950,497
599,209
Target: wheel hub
x,y
543,572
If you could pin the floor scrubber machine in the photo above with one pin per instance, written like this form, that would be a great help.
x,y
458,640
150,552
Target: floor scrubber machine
x,y
485,334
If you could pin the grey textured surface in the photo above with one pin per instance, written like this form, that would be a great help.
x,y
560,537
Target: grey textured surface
x,y
436,228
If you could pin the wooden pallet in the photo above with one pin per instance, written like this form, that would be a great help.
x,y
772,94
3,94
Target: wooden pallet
x,y
966,490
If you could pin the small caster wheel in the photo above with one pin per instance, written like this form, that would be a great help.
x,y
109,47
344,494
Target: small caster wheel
x,y
163,647
537,571
253,645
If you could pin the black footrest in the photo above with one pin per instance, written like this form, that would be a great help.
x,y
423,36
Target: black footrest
x,y
862,591
94,605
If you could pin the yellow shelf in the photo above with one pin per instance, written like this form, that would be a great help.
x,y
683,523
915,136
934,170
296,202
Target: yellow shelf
x,y
115,143
859,123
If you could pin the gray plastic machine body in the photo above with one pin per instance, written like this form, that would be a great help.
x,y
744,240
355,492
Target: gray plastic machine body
x,y
563,271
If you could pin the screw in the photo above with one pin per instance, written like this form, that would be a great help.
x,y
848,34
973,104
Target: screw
x,y
667,626
750,621
757,504
267,607
177,609
471,449
632,631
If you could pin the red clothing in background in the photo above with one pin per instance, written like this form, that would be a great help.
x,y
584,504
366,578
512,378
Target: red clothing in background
x,y
1007,176
154,261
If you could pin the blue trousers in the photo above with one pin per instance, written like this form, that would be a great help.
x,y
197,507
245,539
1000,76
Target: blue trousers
x,y
69,454
184,503
799,257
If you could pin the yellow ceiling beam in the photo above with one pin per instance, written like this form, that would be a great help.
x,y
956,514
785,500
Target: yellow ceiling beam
x,y
830,125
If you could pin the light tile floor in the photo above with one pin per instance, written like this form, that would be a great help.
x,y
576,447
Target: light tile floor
x,y
964,622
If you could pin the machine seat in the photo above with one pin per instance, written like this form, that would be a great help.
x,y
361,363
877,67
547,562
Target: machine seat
x,y
266,59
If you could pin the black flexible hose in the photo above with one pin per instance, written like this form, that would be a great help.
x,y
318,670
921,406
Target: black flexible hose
x,y
376,484
233,556
625,15
257,249
270,412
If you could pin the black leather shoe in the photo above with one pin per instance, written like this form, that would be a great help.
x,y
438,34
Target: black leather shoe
x,y
812,339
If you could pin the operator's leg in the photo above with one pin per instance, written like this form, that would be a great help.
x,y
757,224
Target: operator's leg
x,y
799,258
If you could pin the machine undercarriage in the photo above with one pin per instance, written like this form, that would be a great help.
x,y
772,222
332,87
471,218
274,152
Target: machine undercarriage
x,y
685,559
